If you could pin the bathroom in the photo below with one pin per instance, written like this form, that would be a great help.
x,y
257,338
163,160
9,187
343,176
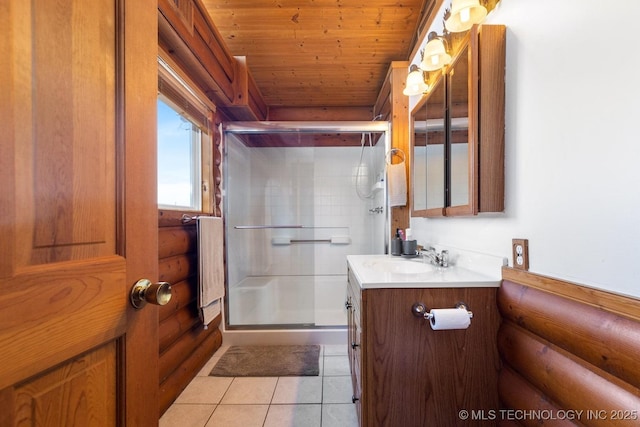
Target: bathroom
x,y
550,138
570,154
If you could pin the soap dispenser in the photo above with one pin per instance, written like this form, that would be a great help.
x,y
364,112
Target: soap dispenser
x,y
396,244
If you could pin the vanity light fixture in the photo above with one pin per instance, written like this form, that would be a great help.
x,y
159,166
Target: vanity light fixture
x,y
434,57
415,84
435,53
464,13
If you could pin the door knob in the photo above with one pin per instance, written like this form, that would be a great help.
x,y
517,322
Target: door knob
x,y
144,291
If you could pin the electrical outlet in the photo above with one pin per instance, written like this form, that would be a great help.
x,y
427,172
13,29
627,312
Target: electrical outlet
x,y
520,253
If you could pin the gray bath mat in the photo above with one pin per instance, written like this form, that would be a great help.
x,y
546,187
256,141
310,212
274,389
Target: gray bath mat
x,y
268,361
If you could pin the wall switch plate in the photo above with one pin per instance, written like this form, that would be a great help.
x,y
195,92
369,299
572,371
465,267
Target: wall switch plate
x,y
520,253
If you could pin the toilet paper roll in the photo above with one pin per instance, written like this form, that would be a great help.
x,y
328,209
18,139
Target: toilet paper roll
x,y
449,318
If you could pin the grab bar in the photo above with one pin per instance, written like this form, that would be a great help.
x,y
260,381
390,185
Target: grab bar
x,y
334,240
264,227
260,227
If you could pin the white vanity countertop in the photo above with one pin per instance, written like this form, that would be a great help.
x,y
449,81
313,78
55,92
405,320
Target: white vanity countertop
x,y
387,271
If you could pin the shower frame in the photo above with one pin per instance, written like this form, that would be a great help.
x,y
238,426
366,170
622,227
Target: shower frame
x,y
292,127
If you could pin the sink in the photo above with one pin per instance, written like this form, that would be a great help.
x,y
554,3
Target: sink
x,y
386,271
399,266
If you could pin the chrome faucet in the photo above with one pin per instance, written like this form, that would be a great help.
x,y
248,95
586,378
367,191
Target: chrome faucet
x,y
441,259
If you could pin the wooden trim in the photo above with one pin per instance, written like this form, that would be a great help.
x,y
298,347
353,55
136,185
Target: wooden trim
x,y
614,303
469,49
257,104
491,42
435,212
399,119
10,112
139,99
185,96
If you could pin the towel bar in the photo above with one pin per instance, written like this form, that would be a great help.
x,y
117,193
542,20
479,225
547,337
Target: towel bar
x,y
263,227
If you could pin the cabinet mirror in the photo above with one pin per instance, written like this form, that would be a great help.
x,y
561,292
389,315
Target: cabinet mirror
x,y
461,150
458,132
428,148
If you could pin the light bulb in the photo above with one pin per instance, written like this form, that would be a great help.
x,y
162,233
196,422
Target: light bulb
x,y
434,59
465,14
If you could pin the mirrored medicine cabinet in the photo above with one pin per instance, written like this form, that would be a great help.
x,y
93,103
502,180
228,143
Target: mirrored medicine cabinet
x,y
457,131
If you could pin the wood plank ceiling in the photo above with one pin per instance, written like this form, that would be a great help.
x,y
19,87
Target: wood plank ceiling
x,y
319,53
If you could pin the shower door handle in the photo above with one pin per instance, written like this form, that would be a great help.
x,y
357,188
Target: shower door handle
x,y
144,291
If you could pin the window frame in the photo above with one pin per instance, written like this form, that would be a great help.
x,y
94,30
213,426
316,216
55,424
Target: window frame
x,y
181,94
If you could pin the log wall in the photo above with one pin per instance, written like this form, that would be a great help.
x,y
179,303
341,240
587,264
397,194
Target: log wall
x,y
184,345
186,31
570,354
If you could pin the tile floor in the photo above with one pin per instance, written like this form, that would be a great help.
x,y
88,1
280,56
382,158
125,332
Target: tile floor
x,y
322,401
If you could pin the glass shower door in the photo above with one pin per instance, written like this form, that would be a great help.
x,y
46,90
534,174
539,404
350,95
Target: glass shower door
x,y
292,216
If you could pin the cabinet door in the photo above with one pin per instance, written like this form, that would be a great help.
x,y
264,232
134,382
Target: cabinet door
x,y
461,142
435,148
354,340
428,153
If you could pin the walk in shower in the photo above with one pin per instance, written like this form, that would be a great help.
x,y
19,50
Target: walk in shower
x,y
298,198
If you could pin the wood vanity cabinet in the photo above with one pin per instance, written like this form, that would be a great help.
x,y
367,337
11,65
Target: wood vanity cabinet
x,y
354,332
406,374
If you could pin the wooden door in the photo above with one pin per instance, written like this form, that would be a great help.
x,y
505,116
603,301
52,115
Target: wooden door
x,y
78,212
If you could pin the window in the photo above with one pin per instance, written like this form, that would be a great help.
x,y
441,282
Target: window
x,y
179,159
184,144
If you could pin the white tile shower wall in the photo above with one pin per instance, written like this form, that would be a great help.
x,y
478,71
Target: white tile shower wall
x,y
314,187
236,183
378,227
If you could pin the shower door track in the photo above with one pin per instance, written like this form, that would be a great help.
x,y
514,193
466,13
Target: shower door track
x,y
307,127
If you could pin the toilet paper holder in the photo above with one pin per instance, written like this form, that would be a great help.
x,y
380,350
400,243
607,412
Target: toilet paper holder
x,y
419,309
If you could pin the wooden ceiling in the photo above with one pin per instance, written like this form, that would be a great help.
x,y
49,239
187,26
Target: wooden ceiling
x,y
320,53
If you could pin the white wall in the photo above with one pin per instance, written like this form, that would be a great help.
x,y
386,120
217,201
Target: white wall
x,y
572,146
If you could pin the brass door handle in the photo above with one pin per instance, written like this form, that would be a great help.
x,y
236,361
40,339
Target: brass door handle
x,y
144,291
